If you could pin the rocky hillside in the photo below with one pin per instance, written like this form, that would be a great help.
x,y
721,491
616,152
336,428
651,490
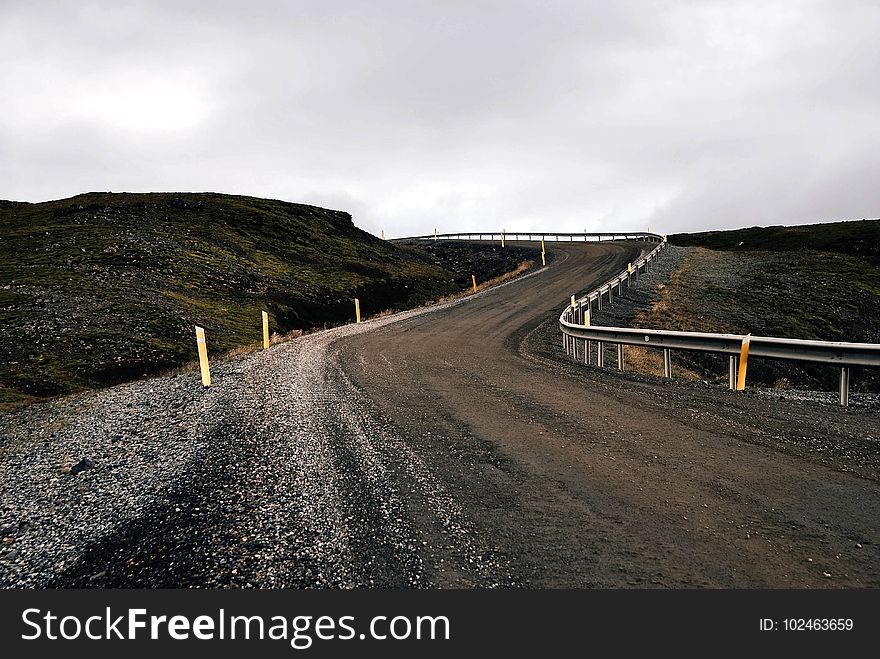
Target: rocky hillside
x,y
102,288
819,281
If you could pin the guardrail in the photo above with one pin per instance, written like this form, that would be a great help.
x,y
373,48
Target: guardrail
x,y
532,236
574,322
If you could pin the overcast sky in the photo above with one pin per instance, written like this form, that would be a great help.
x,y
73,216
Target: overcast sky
x,y
461,115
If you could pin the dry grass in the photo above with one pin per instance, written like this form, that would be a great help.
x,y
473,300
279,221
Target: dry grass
x,y
507,276
650,362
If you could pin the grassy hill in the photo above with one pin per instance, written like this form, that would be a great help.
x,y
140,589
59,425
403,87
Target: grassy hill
x,y
819,281
860,238
103,287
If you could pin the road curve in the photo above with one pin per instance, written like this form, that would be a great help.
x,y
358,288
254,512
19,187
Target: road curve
x,y
589,479
452,446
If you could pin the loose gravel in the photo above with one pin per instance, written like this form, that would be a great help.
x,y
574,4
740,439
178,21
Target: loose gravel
x,y
279,475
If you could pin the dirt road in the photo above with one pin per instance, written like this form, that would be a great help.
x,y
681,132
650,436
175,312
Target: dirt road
x,y
599,479
446,447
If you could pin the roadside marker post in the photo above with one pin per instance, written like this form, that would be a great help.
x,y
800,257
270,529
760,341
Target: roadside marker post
x,y
543,260
357,310
265,330
743,363
203,356
502,239
474,281
383,234
587,317
435,233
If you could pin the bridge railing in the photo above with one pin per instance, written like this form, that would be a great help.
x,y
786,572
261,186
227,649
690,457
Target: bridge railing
x,y
577,331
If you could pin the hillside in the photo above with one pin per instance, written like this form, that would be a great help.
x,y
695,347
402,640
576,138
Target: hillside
x,y
102,288
818,281
860,238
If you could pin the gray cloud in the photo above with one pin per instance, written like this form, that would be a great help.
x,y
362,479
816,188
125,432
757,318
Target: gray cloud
x,y
596,115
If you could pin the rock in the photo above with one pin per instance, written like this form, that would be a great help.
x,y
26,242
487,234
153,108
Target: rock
x,y
11,555
82,465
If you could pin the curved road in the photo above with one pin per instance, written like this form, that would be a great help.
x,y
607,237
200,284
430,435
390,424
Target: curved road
x,y
454,446
589,479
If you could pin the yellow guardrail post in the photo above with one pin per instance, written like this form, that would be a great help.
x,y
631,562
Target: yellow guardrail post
x,y
502,239
474,280
357,310
743,363
383,234
203,356
265,330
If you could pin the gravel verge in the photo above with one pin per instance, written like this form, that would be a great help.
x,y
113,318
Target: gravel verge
x,y
279,475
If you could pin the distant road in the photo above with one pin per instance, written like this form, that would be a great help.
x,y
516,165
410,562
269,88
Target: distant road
x,y
454,446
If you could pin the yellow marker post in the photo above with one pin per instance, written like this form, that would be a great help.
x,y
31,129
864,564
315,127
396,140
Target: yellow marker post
x,y
543,250
474,280
383,234
743,363
265,330
357,309
587,317
203,356
573,303
543,260
502,239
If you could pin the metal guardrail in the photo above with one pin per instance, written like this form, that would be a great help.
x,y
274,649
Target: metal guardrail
x,y
575,326
533,236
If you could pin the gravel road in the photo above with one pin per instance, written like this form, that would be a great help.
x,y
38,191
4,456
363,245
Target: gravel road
x,y
448,447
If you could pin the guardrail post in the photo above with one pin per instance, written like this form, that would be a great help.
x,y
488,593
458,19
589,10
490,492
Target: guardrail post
x,y
620,364
731,372
844,386
743,363
600,358
667,363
